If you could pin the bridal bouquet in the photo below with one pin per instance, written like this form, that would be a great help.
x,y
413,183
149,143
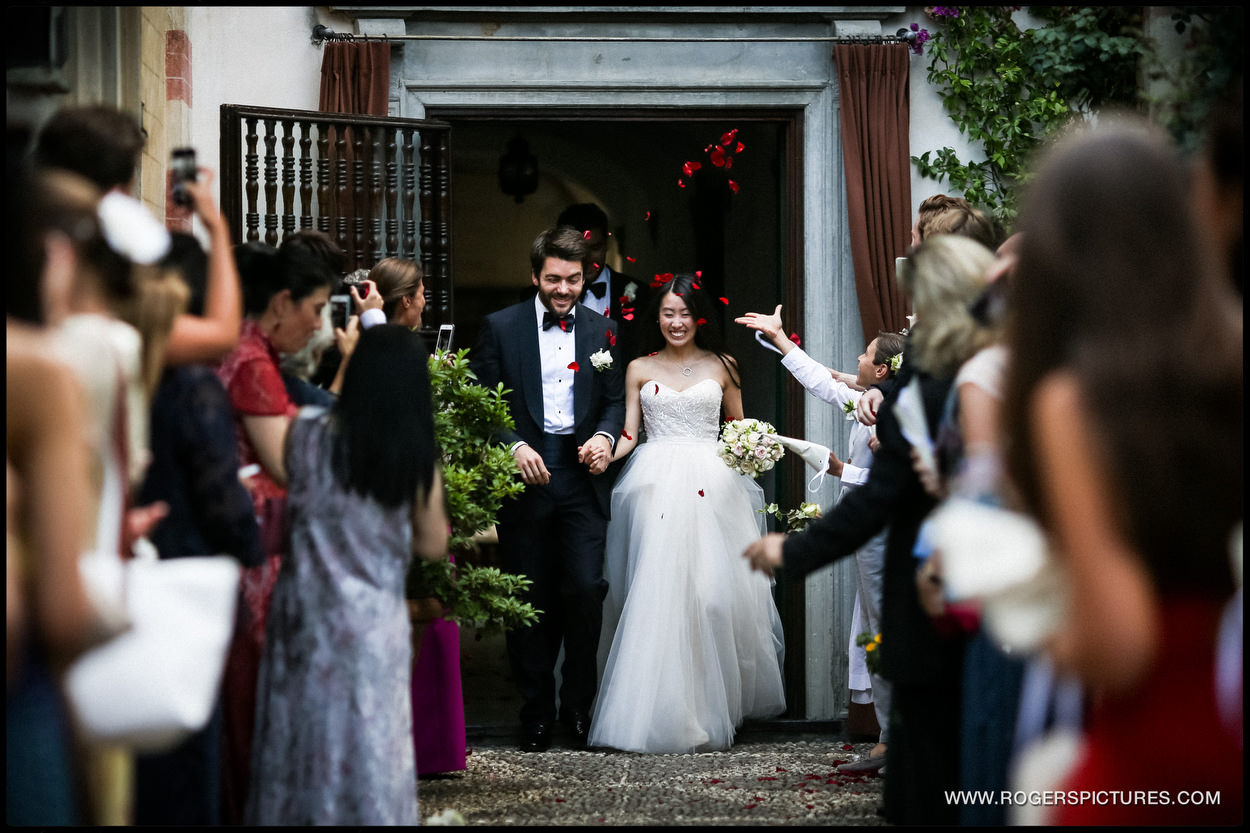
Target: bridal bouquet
x,y
746,448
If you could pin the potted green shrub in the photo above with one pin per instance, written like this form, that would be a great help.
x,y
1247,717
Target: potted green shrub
x,y
478,475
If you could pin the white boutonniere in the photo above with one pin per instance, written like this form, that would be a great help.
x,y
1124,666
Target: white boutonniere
x,y
895,362
848,408
631,291
601,360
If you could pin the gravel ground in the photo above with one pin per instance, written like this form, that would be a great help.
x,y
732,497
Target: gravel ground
x,y
765,781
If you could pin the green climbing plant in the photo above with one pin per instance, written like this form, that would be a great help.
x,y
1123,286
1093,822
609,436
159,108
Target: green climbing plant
x,y
1006,88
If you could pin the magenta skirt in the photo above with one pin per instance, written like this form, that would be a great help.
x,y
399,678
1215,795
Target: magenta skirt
x,y
437,702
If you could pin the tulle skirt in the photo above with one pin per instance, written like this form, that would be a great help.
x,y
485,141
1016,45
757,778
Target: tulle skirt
x,y
692,642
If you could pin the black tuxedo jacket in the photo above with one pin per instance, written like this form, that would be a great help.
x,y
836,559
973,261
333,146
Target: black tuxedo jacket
x,y
629,330
507,352
892,497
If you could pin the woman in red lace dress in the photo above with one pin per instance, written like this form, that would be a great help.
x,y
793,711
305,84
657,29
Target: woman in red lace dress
x,y
1138,481
283,296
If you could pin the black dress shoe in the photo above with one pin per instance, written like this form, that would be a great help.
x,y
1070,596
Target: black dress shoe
x,y
535,737
578,724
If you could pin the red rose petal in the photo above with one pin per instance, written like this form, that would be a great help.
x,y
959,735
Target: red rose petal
x,y
628,316
698,273
779,769
728,138
741,147
611,338
573,366
724,300
694,285
657,387
810,806
653,352
846,747
646,217
690,167
733,186
626,436
795,338
718,157
702,495
749,806
665,277
700,322
713,781
630,259
681,183
585,236
564,326
729,162
559,801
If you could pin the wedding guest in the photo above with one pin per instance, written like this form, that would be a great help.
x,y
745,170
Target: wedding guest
x,y
943,276
439,738
283,296
104,145
48,458
194,470
1114,282
333,719
879,362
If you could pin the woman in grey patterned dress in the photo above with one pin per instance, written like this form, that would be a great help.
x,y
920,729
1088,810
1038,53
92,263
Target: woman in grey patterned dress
x,y
333,741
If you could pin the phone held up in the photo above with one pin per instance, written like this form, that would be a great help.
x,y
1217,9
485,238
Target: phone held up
x,y
340,310
445,334
183,170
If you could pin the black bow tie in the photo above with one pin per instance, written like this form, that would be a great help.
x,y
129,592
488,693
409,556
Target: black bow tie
x,y
598,289
565,321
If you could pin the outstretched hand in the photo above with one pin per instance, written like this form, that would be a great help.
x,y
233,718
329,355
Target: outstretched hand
x,y
765,553
769,325
866,407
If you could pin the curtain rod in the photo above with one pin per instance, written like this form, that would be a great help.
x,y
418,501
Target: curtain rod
x,y
321,33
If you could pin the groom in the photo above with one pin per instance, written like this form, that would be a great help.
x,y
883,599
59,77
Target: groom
x,y
568,410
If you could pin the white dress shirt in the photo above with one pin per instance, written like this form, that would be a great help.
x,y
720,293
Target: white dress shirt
x,y
557,350
816,378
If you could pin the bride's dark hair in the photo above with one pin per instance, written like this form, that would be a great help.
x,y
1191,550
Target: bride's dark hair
x,y
707,334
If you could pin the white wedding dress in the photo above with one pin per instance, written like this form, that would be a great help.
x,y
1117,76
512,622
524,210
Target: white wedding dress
x,y
691,642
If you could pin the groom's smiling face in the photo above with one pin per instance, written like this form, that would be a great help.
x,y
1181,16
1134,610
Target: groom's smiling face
x,y
559,285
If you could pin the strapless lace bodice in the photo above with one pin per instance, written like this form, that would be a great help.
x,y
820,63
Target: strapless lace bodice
x,y
693,413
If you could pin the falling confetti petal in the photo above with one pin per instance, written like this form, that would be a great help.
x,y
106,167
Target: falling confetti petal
x,y
724,300
630,259
573,366
585,236
646,217
733,186
698,273
728,138
729,162
795,338
665,277
690,167
653,353
779,769
628,316
626,436
700,322
741,147
657,387
701,495
681,183
611,336
846,747
694,285
564,326
718,157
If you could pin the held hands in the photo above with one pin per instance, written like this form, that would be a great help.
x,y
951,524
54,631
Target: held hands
x,y
765,553
595,454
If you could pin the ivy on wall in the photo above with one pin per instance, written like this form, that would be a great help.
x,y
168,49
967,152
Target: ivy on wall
x,y
1006,88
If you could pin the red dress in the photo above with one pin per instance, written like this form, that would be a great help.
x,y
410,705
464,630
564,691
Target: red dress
x,y
252,376
1165,736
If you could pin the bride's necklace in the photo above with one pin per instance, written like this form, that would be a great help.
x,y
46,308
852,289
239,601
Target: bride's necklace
x,y
686,369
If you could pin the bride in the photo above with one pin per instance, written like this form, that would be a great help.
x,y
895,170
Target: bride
x,y
691,642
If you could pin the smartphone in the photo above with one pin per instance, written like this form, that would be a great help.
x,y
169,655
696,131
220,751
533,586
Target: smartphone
x,y
445,333
183,169
340,310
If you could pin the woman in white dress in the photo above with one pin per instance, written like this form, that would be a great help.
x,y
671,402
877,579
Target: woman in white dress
x,y
692,642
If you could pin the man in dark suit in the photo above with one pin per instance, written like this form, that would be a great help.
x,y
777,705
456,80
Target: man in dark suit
x,y
923,665
611,293
569,408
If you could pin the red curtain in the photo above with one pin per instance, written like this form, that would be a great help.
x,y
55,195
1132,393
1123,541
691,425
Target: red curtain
x,y
875,118
355,79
